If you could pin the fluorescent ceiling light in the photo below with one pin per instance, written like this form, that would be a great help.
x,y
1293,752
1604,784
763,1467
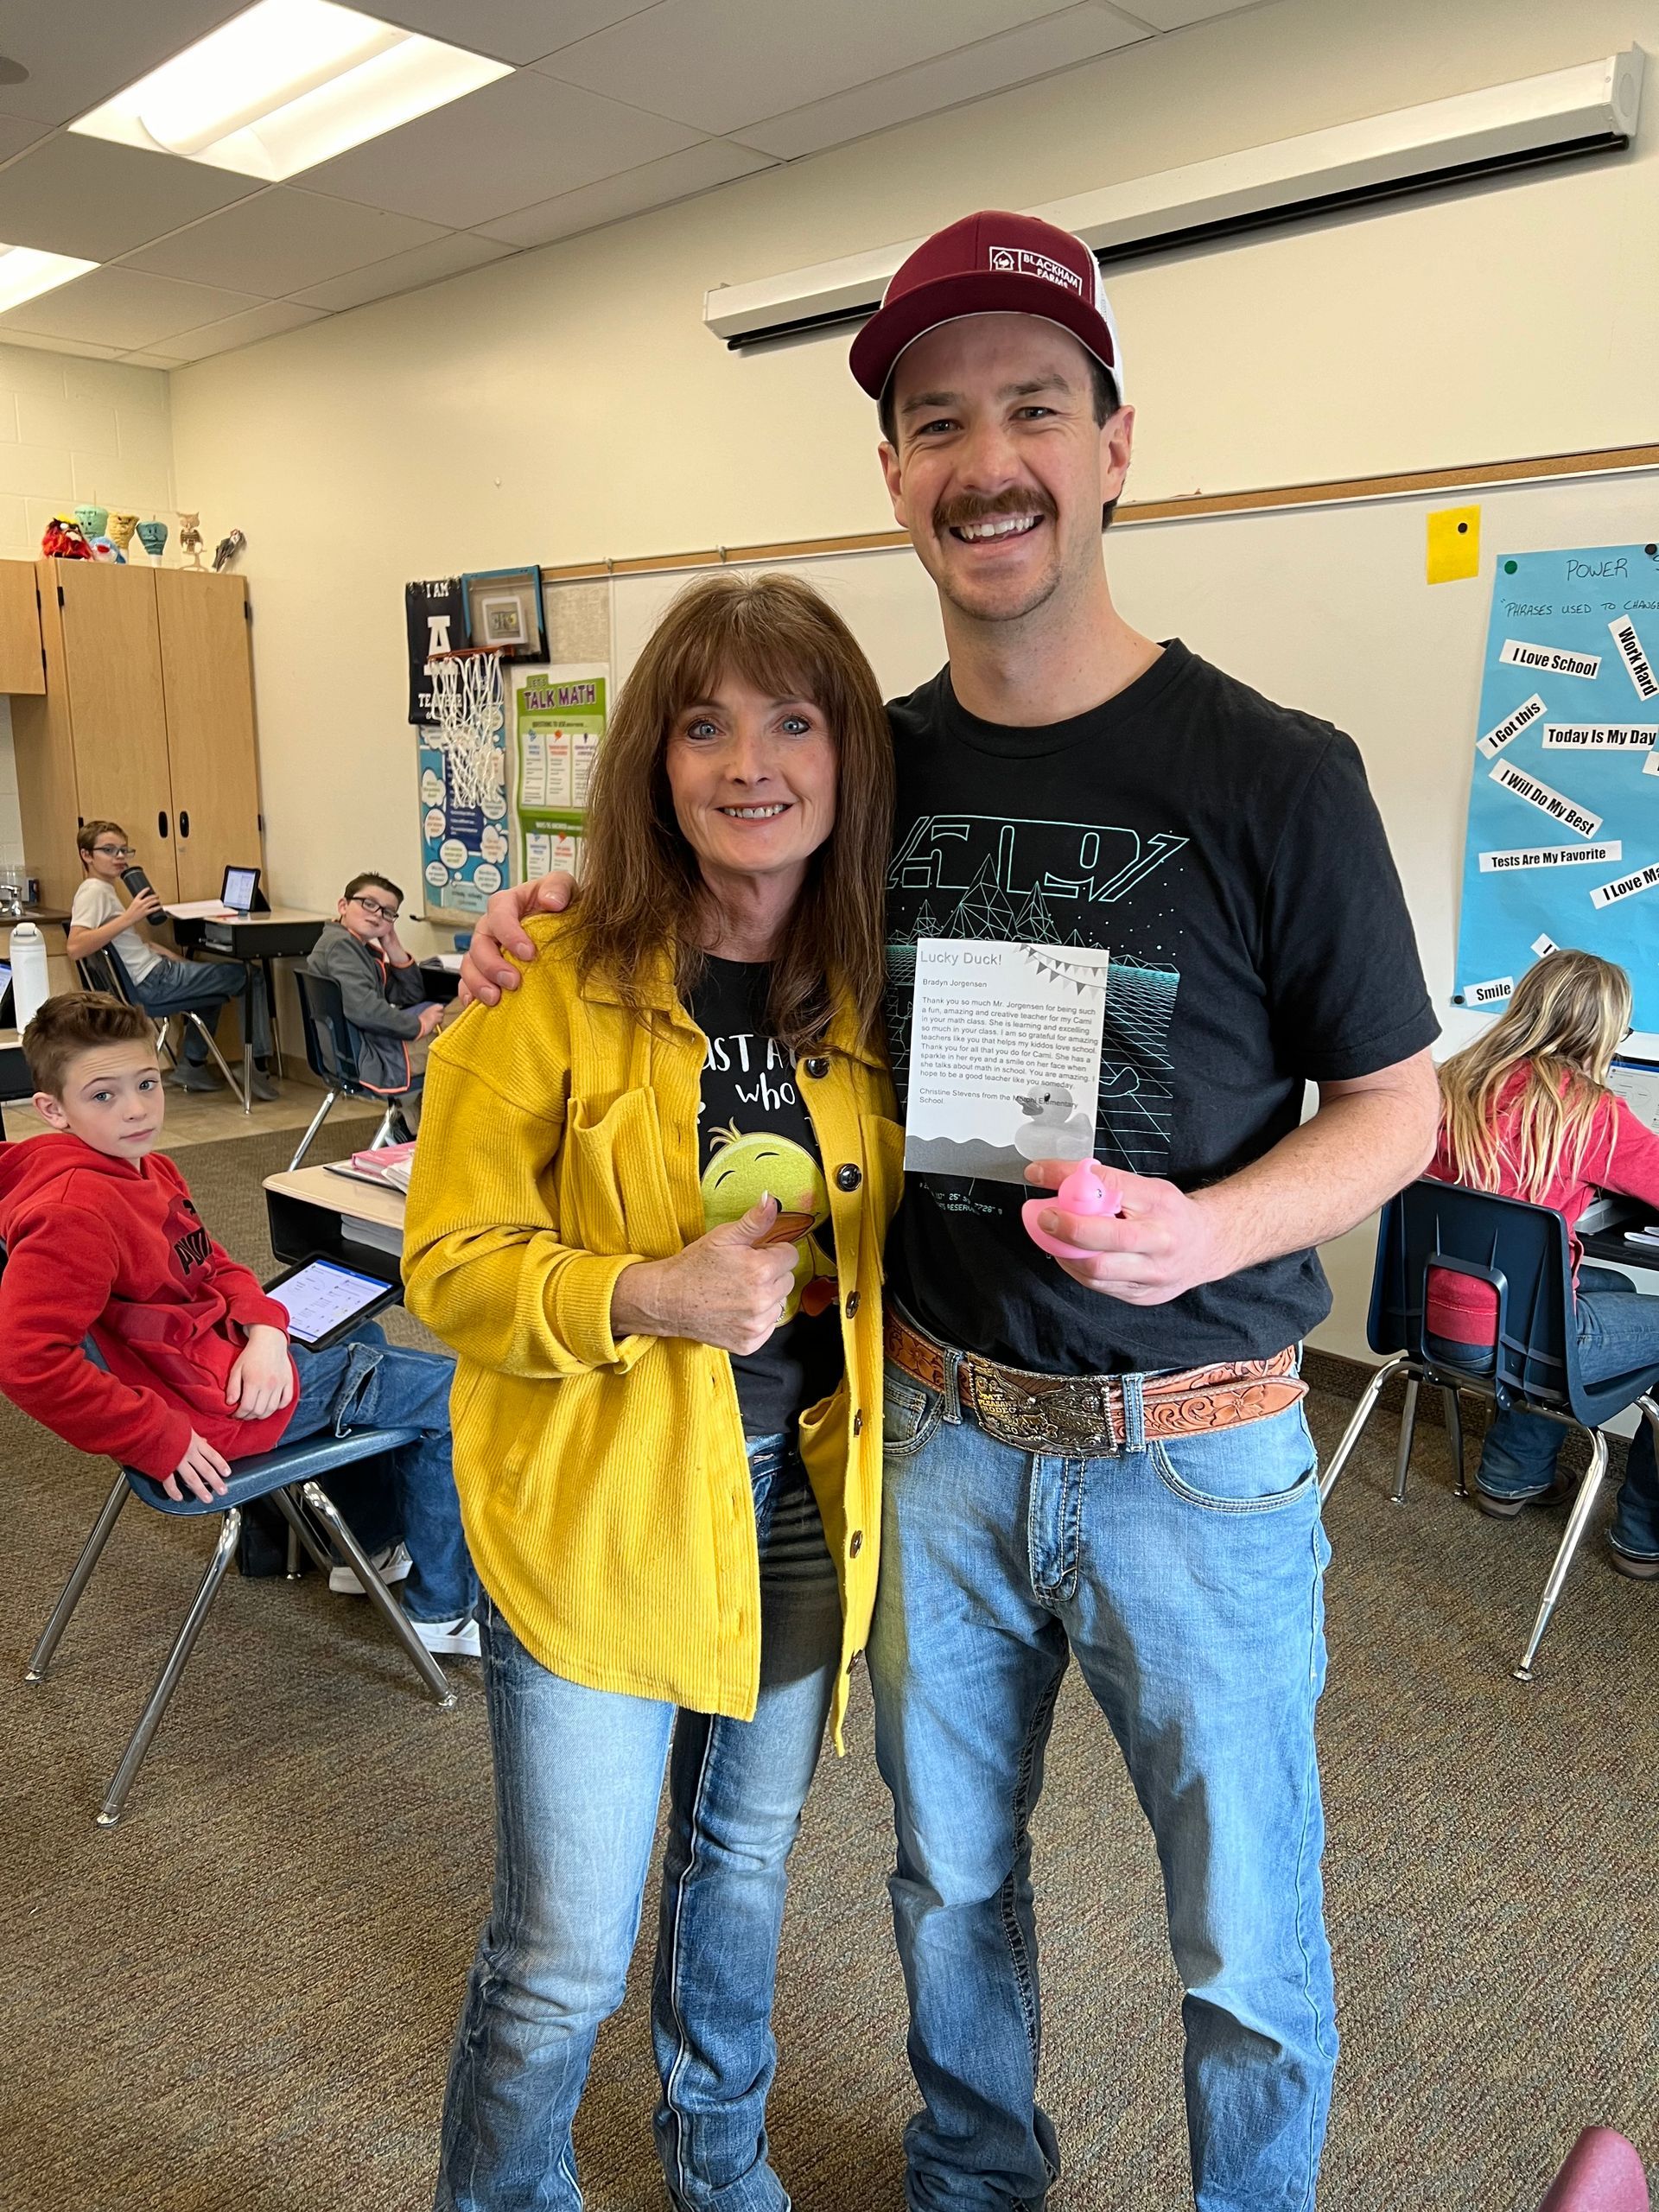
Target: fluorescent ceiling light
x,y
25,271
285,85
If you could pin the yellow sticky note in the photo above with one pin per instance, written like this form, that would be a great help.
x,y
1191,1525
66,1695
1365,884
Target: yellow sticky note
x,y
1453,544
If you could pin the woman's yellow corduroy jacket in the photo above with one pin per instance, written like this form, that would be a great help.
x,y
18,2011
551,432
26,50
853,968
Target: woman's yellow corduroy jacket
x,y
604,1485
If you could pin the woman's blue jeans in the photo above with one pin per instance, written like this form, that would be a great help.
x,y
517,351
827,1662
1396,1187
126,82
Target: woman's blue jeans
x,y
578,1777
1618,1334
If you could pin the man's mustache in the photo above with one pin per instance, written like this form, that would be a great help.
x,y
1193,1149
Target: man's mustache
x,y
953,514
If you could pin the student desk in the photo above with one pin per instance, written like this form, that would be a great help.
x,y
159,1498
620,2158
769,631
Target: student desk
x,y
15,1083
312,1214
284,933
1608,1243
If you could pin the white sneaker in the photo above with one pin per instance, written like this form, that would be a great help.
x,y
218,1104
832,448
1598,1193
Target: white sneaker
x,y
459,1638
391,1565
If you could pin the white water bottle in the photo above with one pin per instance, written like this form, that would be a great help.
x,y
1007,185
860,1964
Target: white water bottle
x,y
29,987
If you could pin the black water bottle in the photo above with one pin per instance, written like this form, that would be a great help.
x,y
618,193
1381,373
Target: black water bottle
x,y
135,879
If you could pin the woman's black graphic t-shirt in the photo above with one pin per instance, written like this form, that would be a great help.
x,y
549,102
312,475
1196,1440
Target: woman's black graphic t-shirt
x,y
754,1136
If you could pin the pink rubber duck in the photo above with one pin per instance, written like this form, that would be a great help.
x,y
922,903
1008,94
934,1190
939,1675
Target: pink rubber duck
x,y
1084,1190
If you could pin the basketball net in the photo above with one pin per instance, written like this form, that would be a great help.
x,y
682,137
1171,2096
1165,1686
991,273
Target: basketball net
x,y
468,717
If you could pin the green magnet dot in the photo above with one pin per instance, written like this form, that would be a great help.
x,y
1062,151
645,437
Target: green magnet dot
x,y
1510,567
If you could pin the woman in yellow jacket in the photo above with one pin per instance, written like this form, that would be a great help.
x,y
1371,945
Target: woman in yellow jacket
x,y
647,1212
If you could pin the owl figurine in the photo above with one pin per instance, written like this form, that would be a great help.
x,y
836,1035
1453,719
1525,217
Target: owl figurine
x,y
190,538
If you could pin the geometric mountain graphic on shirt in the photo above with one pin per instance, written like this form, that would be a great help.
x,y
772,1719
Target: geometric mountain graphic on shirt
x,y
960,875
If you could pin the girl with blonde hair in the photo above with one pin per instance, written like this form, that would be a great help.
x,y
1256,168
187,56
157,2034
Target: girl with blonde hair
x,y
1526,1111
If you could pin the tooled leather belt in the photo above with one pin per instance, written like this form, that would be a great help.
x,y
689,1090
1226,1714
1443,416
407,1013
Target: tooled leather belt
x,y
1086,1412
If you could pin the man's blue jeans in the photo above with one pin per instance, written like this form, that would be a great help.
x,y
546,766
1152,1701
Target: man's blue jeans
x,y
1618,1334
363,1382
578,1775
1186,1577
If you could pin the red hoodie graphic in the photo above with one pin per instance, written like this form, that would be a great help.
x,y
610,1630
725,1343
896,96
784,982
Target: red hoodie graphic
x,y
116,1249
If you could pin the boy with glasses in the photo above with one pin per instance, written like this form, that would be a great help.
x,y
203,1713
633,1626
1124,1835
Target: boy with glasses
x,y
101,919
389,1017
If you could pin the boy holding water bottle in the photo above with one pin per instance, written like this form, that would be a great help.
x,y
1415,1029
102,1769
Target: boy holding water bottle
x,y
101,920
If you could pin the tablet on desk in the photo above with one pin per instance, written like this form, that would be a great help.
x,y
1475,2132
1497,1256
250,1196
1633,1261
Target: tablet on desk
x,y
326,1302
239,889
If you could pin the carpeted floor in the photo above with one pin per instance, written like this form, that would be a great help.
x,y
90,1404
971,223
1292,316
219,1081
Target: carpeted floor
x,y
241,1999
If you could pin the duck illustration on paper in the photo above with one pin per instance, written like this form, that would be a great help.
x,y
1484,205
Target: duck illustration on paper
x,y
1056,1128
742,1171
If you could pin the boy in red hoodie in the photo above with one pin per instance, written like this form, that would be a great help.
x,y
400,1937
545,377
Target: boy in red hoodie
x,y
102,1239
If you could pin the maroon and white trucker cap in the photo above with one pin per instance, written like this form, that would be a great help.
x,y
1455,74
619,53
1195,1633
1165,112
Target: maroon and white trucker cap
x,y
989,264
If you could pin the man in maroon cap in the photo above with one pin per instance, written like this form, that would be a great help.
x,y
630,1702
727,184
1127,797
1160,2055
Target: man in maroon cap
x,y
1105,1457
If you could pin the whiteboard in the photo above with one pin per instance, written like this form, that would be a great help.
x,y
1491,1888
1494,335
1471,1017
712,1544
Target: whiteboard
x,y
1325,609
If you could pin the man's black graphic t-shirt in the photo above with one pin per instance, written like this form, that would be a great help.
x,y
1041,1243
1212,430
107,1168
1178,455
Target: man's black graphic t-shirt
x,y
1228,854
754,1136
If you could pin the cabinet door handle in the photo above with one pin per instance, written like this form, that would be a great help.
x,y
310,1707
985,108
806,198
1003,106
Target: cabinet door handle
x,y
161,825
184,824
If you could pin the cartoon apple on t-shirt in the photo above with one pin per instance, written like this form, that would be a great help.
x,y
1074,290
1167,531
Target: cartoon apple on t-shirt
x,y
742,1170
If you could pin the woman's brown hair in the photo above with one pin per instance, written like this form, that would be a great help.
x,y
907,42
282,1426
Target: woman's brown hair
x,y
1562,1026
641,882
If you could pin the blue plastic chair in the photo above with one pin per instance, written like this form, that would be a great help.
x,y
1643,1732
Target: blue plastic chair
x,y
1523,1251
331,1055
276,1475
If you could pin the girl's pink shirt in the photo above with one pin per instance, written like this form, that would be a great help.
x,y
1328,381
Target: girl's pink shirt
x,y
1621,1155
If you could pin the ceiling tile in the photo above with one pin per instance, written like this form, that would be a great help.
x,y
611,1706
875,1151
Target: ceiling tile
x,y
973,74
720,64
78,55
519,140
511,30
282,240
447,256
714,160
269,319
1170,14
17,132
123,307
87,197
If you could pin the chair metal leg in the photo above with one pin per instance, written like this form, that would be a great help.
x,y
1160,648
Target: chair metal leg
x,y
41,1658
133,1757
1583,1505
242,1089
1454,1430
317,1120
300,1531
386,1133
1356,1427
1408,1432
373,1588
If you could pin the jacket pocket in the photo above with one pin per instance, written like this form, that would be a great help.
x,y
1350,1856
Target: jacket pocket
x,y
613,1193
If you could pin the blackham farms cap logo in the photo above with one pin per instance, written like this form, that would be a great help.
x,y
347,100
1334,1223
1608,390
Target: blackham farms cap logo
x,y
1020,261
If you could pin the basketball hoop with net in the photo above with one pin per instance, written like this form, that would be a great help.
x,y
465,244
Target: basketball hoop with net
x,y
469,718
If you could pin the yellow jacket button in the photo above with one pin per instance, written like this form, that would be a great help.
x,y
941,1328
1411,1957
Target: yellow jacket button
x,y
852,1304
858,1422
817,1070
856,1544
848,1178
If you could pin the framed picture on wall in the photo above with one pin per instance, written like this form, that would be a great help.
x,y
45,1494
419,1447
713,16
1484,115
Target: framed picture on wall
x,y
503,608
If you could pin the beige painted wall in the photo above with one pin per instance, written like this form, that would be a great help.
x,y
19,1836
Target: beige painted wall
x,y
568,404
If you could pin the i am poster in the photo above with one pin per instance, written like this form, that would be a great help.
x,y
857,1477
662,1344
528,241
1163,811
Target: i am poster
x,y
1563,837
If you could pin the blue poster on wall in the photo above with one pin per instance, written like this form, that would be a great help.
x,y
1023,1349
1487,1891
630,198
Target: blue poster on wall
x,y
1563,842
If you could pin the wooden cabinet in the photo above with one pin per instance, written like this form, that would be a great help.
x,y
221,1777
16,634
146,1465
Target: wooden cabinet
x,y
22,668
147,720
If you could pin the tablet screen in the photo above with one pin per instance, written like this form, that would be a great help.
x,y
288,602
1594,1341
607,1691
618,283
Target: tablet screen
x,y
322,1298
237,891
